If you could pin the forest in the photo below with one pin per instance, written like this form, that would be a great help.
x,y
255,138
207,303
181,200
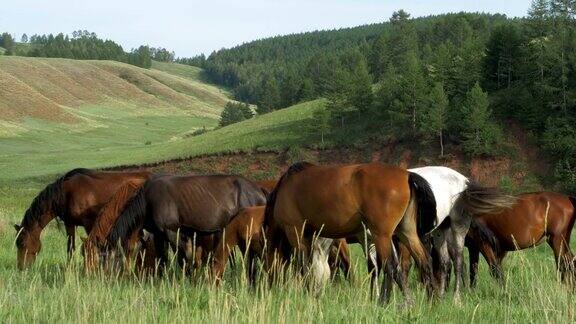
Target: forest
x,y
82,45
457,79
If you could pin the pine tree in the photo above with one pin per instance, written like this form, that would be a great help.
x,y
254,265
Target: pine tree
x,y
231,114
481,135
8,43
321,122
414,89
434,121
24,38
269,96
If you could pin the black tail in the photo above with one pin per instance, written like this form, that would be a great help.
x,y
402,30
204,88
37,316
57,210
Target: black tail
x,y
481,232
293,169
426,203
131,218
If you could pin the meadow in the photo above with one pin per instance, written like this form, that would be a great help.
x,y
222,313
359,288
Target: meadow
x,y
116,132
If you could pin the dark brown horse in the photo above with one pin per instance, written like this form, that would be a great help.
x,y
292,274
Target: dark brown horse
x,y
247,232
189,206
76,199
345,201
535,217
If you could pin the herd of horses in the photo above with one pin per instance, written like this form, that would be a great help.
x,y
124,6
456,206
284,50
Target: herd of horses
x,y
306,219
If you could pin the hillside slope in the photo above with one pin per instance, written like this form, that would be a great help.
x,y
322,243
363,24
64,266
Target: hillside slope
x,y
150,140
44,88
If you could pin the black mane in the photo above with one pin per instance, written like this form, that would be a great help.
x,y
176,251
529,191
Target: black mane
x,y
51,198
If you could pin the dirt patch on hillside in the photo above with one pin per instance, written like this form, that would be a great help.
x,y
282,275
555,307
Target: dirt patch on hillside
x,y
271,165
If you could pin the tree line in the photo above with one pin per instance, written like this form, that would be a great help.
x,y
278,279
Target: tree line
x,y
84,45
455,78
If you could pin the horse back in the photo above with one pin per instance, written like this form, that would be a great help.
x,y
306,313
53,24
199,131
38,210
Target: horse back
x,y
87,193
337,196
200,203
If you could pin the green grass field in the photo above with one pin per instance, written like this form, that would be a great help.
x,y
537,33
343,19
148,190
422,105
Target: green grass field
x,y
33,150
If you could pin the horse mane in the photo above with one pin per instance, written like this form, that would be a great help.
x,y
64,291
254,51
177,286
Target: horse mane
x,y
110,212
132,215
293,169
478,200
53,195
426,213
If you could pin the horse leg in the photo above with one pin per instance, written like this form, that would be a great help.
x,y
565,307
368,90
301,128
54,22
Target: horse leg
x,y
71,243
383,245
442,260
414,246
405,260
459,225
369,250
474,256
161,251
562,253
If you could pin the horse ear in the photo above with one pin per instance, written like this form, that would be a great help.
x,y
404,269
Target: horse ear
x,y
17,227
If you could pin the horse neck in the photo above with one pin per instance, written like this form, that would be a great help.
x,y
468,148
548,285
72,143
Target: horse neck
x,y
36,227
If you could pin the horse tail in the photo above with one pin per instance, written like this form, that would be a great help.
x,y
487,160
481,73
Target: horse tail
x,y
426,203
131,217
481,232
112,209
477,199
293,169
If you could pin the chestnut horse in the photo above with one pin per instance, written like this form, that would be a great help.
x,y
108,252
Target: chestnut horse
x,y
535,217
76,199
247,232
188,205
345,201
106,218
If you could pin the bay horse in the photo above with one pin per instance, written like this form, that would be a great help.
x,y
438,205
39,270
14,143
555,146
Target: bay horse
x,y
458,201
345,201
534,218
247,231
76,199
187,205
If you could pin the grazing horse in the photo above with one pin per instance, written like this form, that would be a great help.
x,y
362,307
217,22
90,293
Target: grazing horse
x,y
247,232
106,218
458,201
76,199
535,217
345,201
187,205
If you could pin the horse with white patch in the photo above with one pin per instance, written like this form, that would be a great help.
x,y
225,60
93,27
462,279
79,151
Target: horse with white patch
x,y
458,199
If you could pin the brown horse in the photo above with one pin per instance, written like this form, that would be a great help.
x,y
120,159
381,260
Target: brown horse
x,y
106,218
247,232
76,199
267,185
535,217
345,201
191,206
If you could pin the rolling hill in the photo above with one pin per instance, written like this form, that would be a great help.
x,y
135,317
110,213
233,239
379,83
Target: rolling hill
x,y
53,110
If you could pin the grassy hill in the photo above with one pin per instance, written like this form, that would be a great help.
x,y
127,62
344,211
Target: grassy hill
x,y
67,149
94,113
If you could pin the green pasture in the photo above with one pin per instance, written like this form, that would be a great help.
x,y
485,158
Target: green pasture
x,y
41,149
54,290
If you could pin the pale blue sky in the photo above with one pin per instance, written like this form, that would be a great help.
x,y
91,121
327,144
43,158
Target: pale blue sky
x,y
193,27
